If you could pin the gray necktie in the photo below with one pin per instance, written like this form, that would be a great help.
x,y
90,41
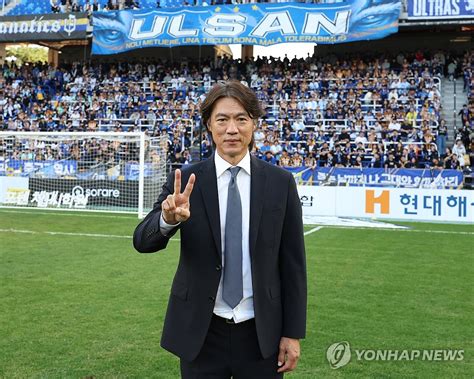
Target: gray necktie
x,y
232,285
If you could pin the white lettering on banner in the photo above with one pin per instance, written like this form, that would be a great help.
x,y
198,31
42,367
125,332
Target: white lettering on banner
x,y
193,40
229,25
56,26
33,24
315,21
69,24
46,26
29,167
78,198
23,27
349,179
61,169
274,22
220,25
3,28
175,28
38,25
44,199
96,192
393,180
436,8
156,29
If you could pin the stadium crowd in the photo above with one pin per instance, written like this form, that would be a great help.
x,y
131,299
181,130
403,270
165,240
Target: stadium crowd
x,y
90,6
357,112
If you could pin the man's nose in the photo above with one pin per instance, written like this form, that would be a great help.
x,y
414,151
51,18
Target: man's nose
x,y
232,127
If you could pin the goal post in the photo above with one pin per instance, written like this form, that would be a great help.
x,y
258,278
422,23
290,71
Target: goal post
x,y
90,171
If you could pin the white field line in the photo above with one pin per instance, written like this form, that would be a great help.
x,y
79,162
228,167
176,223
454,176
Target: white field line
x,y
313,230
97,235
77,214
401,230
81,214
70,234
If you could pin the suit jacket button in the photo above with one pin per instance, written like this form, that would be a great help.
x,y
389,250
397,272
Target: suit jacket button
x,y
212,298
218,267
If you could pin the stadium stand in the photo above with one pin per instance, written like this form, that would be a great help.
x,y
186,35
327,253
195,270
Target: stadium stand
x,y
356,112
46,6
51,6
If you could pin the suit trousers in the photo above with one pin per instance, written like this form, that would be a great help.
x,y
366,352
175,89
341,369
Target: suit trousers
x,y
231,351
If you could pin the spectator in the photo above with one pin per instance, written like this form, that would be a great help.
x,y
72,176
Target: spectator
x,y
269,157
75,7
412,163
285,159
131,4
391,161
464,134
96,6
459,150
55,6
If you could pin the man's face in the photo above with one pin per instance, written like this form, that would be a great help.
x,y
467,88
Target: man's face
x,y
231,128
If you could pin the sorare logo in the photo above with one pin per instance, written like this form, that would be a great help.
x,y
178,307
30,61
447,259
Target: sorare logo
x,y
338,354
95,192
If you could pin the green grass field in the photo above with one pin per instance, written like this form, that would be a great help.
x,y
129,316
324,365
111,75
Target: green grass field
x,y
77,301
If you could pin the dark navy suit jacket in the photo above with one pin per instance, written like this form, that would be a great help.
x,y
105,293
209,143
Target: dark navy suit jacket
x,y
277,256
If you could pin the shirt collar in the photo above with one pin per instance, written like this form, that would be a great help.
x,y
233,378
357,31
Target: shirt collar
x,y
222,165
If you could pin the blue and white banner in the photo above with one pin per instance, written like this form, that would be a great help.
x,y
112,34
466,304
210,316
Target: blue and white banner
x,y
321,176
44,169
248,24
440,9
132,171
378,177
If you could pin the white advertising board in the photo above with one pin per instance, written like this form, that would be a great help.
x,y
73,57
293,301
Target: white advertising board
x,y
388,203
13,190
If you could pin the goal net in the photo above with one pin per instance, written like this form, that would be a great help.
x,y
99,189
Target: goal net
x,y
108,172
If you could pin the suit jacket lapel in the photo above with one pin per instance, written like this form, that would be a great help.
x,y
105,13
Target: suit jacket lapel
x,y
257,195
208,189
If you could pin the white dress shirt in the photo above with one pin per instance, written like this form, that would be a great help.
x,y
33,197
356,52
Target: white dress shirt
x,y
244,310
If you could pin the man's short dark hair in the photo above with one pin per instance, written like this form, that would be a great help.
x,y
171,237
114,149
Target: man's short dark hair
x,y
236,90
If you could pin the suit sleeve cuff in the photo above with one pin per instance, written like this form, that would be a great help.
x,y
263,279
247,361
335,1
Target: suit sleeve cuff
x,y
166,228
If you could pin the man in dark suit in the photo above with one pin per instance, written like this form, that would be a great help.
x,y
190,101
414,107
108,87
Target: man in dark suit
x,y
238,300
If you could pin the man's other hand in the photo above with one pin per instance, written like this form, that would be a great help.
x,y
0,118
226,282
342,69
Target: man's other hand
x,y
289,354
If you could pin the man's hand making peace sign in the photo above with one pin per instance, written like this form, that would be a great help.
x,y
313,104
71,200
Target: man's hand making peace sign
x,y
176,206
